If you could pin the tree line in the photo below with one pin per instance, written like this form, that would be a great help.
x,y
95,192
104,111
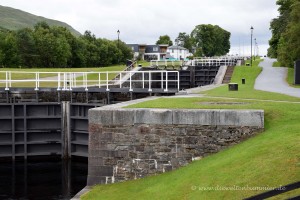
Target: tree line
x,y
285,41
205,40
49,47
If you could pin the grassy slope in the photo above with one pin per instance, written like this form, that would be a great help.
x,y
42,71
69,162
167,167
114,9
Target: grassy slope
x,y
14,19
277,64
290,78
269,159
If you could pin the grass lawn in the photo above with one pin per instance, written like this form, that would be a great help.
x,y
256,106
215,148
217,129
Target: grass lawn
x,y
270,159
290,78
52,72
277,64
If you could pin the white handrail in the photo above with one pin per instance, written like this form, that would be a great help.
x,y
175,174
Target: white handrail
x,y
68,80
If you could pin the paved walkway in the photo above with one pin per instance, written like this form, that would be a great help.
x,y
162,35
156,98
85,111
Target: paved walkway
x,y
273,79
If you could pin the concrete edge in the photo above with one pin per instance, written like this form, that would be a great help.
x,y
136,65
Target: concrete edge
x,y
214,117
220,75
85,190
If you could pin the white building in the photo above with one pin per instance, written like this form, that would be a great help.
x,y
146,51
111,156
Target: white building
x,y
179,53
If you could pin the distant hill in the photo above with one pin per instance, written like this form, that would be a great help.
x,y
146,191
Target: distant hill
x,y
14,19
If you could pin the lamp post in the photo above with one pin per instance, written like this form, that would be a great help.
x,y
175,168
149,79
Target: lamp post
x,y
257,51
254,48
251,43
118,45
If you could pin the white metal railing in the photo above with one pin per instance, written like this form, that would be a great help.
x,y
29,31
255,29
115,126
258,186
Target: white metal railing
x,y
165,63
228,61
70,80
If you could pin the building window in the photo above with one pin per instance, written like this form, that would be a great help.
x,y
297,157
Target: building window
x,y
155,48
172,50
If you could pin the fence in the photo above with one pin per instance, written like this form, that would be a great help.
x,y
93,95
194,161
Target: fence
x,y
70,80
228,61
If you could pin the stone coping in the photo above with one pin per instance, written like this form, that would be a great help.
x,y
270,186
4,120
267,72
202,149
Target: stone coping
x,y
214,117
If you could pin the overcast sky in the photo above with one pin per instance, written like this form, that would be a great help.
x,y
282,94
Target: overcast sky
x,y
143,21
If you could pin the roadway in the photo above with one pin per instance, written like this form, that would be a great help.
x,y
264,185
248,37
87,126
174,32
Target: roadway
x,y
273,79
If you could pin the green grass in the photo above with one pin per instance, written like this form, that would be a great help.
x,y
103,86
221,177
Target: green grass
x,y
247,90
93,76
271,158
291,77
277,64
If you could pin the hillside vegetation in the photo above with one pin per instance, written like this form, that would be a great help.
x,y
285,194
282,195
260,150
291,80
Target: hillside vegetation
x,y
285,41
14,19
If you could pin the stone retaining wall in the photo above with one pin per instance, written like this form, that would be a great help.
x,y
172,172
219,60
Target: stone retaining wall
x,y
132,143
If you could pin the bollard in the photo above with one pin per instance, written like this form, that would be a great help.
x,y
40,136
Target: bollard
x,y
233,87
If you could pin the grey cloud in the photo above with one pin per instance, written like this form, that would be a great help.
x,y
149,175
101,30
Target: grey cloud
x,y
143,21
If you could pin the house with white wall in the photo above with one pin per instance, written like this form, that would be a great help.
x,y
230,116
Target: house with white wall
x,y
178,52
149,52
159,52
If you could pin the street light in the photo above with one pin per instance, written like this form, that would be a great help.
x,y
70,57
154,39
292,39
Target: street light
x,y
176,43
118,45
257,51
251,42
254,48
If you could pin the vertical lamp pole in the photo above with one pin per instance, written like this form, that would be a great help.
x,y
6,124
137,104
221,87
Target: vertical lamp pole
x,y
251,42
176,43
256,45
254,48
118,46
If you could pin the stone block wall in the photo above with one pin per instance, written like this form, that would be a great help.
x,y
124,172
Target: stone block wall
x,y
127,144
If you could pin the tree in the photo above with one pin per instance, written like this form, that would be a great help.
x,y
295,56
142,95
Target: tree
x,y
289,43
11,56
26,47
2,54
125,51
278,25
184,40
46,46
53,47
211,40
164,39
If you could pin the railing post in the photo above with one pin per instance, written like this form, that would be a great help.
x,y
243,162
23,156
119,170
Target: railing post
x,y
71,80
107,89
9,73
99,74
150,89
166,90
86,82
58,81
178,81
75,80
120,79
130,81
143,80
162,80
36,81
6,80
